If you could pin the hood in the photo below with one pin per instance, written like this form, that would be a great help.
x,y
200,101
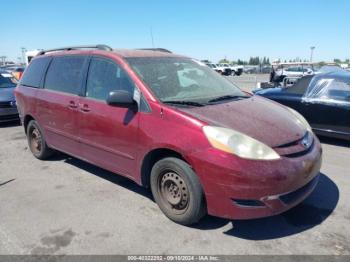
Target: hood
x,y
268,91
7,94
257,117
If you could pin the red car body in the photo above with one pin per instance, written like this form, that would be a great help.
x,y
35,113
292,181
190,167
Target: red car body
x,y
125,142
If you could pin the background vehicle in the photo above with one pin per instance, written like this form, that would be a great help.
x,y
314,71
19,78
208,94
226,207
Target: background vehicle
x,y
29,55
170,123
323,99
280,71
8,108
235,69
223,69
15,70
213,66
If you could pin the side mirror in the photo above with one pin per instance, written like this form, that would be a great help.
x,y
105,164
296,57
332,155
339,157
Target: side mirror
x,y
120,98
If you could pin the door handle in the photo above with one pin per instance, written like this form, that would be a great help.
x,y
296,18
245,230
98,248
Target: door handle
x,y
72,105
84,107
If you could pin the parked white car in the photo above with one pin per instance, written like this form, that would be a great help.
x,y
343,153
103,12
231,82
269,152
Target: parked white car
x,y
294,71
237,69
223,69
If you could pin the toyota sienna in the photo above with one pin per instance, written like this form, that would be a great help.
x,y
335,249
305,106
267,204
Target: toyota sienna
x,y
170,123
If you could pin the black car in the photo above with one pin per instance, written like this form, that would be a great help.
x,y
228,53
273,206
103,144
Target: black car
x,y
323,99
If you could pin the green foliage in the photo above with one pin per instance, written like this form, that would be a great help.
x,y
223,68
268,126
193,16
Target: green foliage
x,y
224,61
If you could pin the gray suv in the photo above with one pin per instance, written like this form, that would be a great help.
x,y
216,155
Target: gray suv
x,y
8,108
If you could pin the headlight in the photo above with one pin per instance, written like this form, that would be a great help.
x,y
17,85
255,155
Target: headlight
x,y
300,119
238,144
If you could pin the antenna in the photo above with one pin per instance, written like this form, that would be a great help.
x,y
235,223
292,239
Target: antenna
x,y
152,37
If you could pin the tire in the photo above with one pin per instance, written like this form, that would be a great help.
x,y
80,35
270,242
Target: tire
x,y
36,141
233,73
177,191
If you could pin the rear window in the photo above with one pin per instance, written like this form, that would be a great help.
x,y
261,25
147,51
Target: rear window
x,y
35,71
65,74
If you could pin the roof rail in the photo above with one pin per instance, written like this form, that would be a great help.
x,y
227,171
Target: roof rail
x,y
100,47
156,49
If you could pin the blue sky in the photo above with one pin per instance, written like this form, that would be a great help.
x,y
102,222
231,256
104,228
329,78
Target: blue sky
x,y
200,29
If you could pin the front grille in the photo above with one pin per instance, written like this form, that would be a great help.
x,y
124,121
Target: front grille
x,y
301,153
6,105
292,197
298,147
9,117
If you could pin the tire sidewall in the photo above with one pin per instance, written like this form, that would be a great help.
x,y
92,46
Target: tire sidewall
x,y
44,148
195,207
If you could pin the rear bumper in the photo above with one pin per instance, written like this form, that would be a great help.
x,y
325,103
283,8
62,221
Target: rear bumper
x,y
244,189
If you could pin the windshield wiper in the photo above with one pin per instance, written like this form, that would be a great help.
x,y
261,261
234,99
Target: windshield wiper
x,y
182,102
226,97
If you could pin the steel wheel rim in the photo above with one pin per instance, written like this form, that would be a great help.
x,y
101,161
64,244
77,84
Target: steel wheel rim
x,y
174,192
35,141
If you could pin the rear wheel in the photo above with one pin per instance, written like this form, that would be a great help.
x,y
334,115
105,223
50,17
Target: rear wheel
x,y
177,191
36,141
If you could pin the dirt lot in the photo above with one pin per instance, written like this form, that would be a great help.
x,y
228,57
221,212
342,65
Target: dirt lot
x,y
66,206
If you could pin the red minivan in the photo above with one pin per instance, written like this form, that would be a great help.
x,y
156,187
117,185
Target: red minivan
x,y
170,123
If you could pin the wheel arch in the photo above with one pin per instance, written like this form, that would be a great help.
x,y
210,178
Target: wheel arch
x,y
152,157
26,121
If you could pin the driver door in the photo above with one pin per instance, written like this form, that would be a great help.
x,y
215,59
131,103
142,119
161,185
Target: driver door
x,y
108,133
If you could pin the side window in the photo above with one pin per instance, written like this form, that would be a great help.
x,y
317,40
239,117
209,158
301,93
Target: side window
x,y
339,90
65,74
34,73
106,76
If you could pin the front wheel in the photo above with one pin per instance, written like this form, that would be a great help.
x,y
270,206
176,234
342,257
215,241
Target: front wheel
x,y
177,191
36,141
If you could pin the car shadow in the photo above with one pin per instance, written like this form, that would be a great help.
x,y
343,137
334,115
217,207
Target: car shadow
x,y
334,141
310,213
102,173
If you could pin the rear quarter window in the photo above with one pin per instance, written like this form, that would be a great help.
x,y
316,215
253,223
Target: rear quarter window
x,y
65,74
33,75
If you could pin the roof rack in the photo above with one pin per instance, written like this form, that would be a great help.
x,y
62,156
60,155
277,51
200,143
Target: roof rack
x,y
100,47
156,49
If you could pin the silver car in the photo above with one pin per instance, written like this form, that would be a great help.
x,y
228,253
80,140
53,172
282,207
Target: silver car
x,y
8,108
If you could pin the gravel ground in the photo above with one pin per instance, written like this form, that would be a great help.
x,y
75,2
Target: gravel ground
x,y
67,206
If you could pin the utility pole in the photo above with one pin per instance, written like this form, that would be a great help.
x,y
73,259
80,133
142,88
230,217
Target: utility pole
x,y
312,48
24,50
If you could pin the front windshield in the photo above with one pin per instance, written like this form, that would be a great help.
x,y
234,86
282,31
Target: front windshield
x,y
7,81
182,79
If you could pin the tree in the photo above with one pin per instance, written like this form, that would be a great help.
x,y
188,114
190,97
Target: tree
x,y
336,60
224,61
241,62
